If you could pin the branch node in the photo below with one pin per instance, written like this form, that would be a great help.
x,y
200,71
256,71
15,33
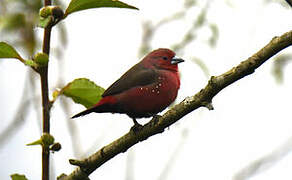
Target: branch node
x,y
216,81
77,162
188,100
275,38
62,176
208,105
212,80
102,152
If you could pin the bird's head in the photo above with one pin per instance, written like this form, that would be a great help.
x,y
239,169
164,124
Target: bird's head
x,y
162,59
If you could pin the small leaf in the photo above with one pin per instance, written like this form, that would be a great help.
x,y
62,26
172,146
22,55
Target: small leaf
x,y
79,5
37,142
31,63
18,177
45,11
50,15
83,91
55,94
7,51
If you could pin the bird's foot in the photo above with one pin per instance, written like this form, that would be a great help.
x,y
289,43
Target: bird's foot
x,y
156,118
137,127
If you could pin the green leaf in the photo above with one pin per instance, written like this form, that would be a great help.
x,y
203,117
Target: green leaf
x,y
79,5
18,177
30,63
83,91
50,15
7,51
37,142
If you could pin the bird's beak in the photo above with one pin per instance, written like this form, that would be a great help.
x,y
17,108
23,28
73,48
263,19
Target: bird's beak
x,y
176,60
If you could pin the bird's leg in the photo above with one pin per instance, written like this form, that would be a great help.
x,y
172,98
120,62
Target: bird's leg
x,y
135,121
136,126
156,116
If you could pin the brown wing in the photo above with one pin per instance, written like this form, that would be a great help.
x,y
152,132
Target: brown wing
x,y
136,76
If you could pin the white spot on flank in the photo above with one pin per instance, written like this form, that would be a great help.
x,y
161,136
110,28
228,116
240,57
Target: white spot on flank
x,y
158,92
156,87
141,88
159,84
152,90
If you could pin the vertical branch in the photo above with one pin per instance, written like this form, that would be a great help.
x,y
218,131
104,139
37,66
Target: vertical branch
x,y
46,121
47,2
46,105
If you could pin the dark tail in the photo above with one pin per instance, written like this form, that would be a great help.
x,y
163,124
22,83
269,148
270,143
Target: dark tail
x,y
87,111
104,105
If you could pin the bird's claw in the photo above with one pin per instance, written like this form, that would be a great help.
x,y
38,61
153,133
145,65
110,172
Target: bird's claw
x,y
156,118
136,128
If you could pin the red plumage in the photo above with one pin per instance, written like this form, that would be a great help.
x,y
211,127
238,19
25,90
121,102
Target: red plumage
x,y
144,90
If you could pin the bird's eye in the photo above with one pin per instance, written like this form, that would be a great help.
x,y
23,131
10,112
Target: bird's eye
x,y
164,58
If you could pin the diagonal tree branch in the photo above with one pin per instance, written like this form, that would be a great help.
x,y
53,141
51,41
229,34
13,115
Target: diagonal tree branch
x,y
201,99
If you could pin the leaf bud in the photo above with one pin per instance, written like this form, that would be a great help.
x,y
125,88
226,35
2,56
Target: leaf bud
x,y
41,59
50,15
56,147
47,139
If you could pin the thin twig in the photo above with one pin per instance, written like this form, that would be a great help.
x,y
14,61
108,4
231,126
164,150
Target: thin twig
x,y
43,71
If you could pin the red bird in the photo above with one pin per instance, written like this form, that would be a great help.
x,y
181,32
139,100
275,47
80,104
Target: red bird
x,y
144,90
